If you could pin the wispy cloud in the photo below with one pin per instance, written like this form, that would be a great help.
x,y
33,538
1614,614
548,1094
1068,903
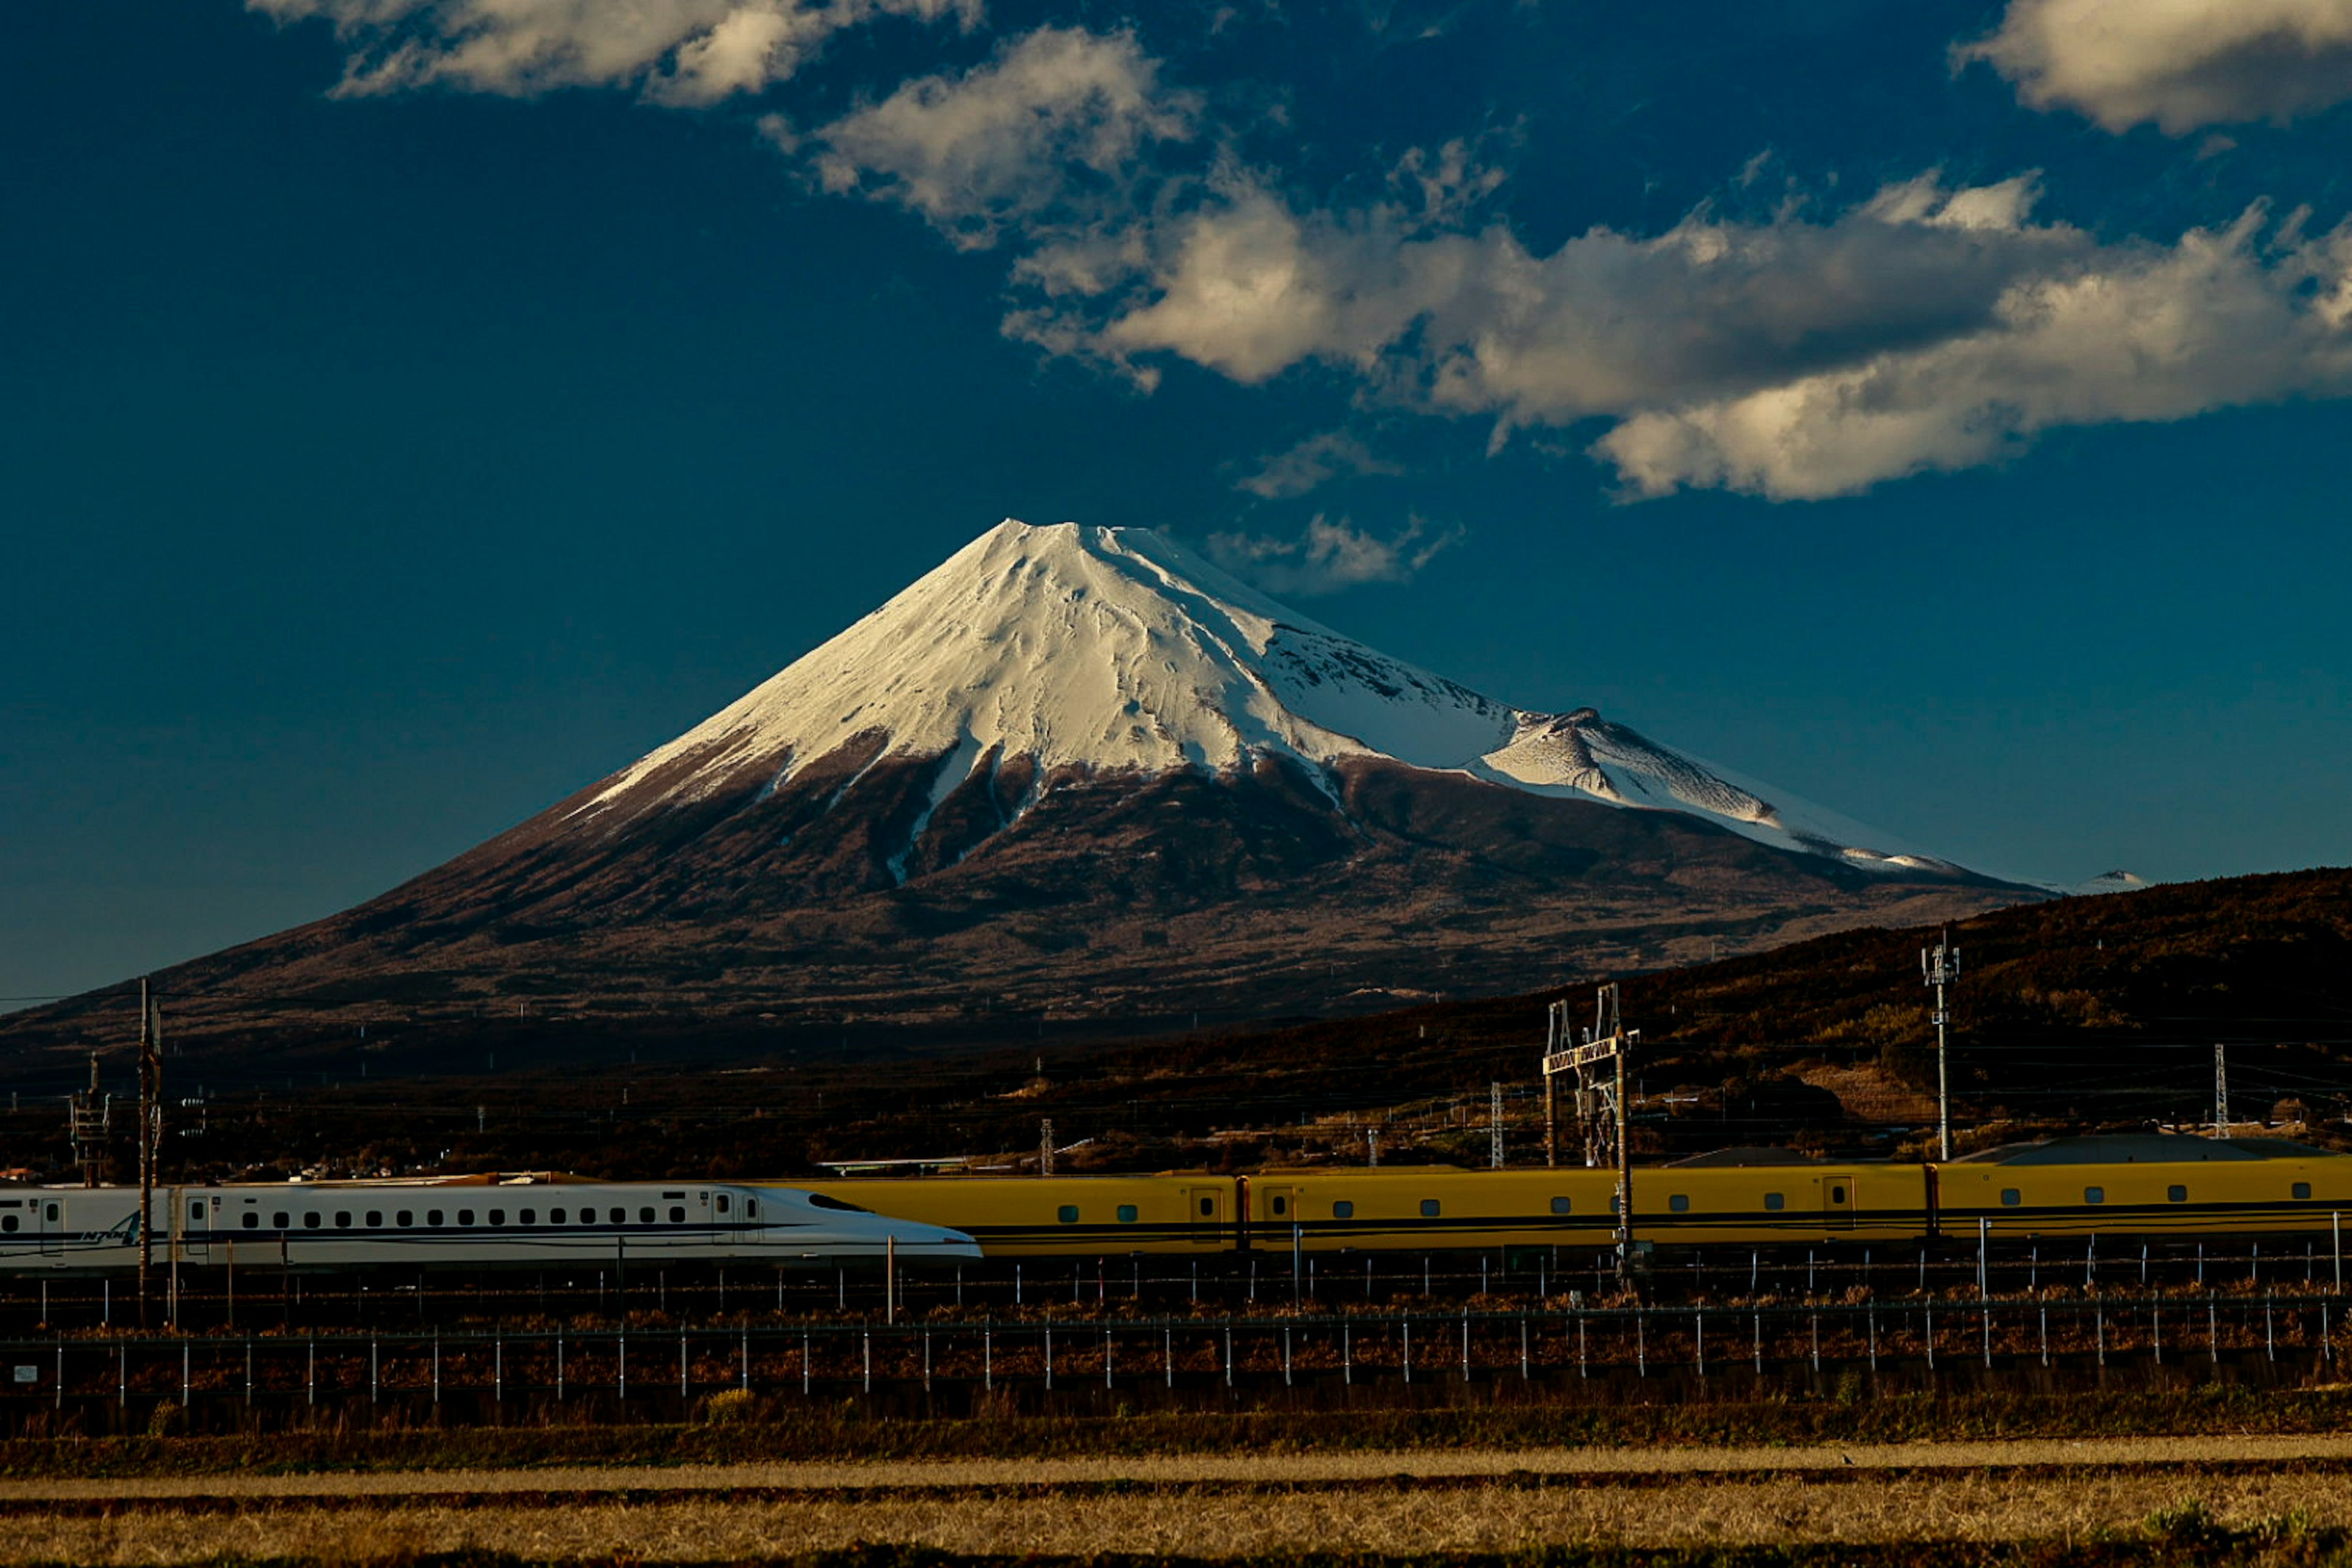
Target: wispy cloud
x,y
681,52
2180,64
1058,119
1330,555
1313,463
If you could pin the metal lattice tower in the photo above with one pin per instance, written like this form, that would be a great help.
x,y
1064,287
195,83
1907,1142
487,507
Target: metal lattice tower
x,y
1602,1104
1494,1126
89,1114
2220,1091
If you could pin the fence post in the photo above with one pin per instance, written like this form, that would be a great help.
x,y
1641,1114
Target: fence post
x,y
682,1392
375,1367
559,1366
747,1358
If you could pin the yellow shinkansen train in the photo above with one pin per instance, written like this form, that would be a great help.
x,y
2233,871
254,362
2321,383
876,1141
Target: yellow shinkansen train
x,y
2136,1186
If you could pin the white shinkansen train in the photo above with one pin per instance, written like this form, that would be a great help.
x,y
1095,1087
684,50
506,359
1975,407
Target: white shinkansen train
x,y
334,1226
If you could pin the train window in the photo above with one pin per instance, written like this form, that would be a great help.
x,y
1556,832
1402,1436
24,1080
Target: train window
x,y
1343,1209
51,1212
1837,1194
557,1216
7,1222
2177,1195
1562,1206
1678,1201
252,1220
677,1214
342,1219
645,1213
280,1220
2094,1195
1429,1209
1776,1202
2011,1197
311,1221
1208,1207
2303,1189
1067,1214
404,1218
672,1194
497,1216
722,1203
827,1201
620,1216
528,1216
465,1217
1281,1204
196,1209
750,1208
432,1217
1127,1214
375,1218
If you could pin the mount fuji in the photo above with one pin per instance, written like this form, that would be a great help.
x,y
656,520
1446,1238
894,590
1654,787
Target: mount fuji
x,y
1082,771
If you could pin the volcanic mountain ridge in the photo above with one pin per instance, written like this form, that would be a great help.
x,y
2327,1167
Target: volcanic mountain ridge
x,y
1081,771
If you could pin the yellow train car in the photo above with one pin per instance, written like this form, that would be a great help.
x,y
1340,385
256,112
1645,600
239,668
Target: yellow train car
x,y
1058,1216
2144,1185
1434,1208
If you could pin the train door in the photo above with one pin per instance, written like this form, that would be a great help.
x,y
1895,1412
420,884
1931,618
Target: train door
x,y
197,1223
1279,1219
1837,1201
1204,1210
49,1220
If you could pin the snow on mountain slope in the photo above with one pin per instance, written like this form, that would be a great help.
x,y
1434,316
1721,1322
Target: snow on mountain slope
x,y
1109,650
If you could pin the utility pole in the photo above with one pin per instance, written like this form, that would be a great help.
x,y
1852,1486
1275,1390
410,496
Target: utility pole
x,y
1046,1147
1940,966
1494,1126
151,1121
2220,1091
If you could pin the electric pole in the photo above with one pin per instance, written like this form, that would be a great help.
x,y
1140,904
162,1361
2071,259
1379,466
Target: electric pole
x,y
151,1121
1940,966
1494,1126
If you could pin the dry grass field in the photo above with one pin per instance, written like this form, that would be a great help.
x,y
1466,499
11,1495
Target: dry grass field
x,y
2137,1500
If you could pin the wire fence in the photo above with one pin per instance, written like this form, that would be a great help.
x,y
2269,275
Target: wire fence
x,y
103,1382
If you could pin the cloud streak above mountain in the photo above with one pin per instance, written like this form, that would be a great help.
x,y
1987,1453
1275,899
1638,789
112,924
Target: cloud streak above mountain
x,y
1815,348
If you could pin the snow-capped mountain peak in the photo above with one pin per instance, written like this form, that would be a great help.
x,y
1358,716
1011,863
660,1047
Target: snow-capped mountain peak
x,y
1092,651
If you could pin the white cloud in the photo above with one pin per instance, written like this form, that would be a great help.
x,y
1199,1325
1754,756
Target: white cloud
x,y
1330,556
2181,64
2137,333
1925,328
685,52
1057,120
1313,463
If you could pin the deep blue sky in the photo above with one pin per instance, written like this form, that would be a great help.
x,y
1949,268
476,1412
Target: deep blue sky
x,y
382,465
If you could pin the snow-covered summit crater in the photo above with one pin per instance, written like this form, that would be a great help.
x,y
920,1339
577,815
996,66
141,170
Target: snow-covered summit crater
x,y
1116,650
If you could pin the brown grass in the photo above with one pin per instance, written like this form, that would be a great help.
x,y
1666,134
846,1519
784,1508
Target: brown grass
x,y
1373,1517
